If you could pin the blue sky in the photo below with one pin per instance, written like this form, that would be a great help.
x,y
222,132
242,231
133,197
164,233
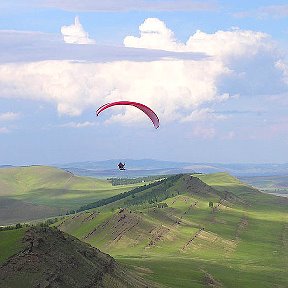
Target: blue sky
x,y
215,72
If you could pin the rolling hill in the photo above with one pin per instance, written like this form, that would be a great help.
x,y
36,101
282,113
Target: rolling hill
x,y
35,192
193,231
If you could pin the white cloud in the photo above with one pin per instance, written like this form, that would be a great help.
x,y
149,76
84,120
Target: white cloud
x,y
203,115
79,124
8,116
130,5
27,46
166,86
247,57
75,34
173,87
154,34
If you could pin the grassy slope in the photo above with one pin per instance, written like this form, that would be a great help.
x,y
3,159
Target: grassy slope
x,y
244,243
54,187
36,192
10,243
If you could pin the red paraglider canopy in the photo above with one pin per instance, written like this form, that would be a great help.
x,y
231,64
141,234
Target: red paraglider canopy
x,y
149,112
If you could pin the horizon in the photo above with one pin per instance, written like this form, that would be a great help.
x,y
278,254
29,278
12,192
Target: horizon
x,y
55,164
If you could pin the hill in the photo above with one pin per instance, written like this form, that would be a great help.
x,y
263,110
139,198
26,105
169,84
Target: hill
x,y
50,258
193,231
35,192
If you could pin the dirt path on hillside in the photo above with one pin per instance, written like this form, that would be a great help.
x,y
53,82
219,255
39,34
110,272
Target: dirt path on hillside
x,y
157,234
284,240
241,227
192,239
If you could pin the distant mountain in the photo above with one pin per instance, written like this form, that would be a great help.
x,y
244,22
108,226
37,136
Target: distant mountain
x,y
134,168
142,164
53,259
147,167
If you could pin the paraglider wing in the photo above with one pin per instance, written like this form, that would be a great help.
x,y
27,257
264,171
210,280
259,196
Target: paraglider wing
x,y
149,112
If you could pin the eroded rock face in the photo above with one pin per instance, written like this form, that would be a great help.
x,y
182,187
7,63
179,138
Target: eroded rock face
x,y
54,259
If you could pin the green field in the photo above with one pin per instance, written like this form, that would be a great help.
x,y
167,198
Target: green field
x,y
10,243
244,242
40,191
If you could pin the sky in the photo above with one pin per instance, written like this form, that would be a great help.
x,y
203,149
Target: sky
x,y
215,73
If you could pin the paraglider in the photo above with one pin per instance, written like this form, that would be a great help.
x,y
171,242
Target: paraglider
x,y
121,166
148,111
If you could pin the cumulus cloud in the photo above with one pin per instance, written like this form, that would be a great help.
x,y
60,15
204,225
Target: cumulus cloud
x,y
75,34
166,86
247,57
8,116
130,5
176,88
154,34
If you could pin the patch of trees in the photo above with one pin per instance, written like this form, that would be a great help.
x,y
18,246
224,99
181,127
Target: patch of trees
x,y
156,191
45,223
156,194
13,227
127,181
162,205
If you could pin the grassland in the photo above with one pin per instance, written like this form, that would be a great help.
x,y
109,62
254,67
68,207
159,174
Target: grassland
x,y
244,242
10,243
41,191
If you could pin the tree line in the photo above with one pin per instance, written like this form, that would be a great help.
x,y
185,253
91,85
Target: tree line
x,y
157,192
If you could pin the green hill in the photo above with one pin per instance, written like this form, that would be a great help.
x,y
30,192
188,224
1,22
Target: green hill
x,y
10,243
50,258
36,192
171,232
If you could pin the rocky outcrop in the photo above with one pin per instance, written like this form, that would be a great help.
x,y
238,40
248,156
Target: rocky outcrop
x,y
54,259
